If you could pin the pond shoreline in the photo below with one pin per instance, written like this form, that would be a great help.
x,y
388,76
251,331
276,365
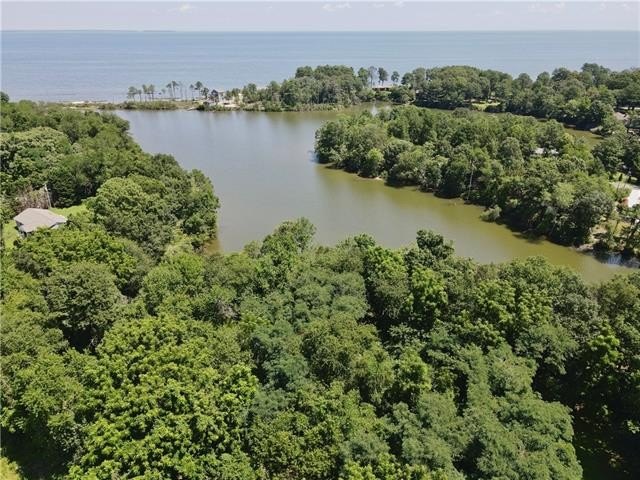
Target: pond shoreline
x,y
607,257
275,177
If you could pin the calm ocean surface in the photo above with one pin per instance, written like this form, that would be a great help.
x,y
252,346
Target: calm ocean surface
x,y
102,65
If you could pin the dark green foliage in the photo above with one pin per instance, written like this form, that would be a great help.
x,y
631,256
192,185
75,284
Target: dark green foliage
x,y
46,251
123,208
585,99
289,361
40,389
199,210
328,85
81,299
401,94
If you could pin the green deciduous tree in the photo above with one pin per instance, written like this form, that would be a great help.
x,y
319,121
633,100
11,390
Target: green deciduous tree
x,y
82,299
126,210
164,406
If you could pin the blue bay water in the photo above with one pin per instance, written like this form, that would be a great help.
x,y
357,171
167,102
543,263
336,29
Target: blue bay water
x,y
72,66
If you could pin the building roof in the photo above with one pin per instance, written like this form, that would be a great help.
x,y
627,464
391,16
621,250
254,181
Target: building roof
x,y
33,218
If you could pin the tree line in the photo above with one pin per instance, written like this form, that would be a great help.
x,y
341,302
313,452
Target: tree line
x,y
585,98
174,90
322,85
531,175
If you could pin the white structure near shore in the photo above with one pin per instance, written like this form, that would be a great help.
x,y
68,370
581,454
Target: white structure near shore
x,y
31,219
634,197
634,193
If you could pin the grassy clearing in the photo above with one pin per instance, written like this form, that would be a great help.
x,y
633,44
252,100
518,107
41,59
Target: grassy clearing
x,y
73,210
9,236
590,138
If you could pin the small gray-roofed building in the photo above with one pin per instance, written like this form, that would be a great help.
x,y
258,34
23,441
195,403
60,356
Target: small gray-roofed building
x,y
31,219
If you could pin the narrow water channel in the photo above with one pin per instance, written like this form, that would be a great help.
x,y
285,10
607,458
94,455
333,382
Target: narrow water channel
x,y
263,170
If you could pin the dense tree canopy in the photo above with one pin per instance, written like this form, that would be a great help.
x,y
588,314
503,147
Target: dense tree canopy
x,y
584,98
323,85
288,360
125,355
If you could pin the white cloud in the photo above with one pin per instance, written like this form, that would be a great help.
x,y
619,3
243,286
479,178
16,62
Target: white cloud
x,y
184,8
547,7
334,7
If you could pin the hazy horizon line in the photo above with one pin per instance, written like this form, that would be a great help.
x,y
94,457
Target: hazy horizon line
x,y
50,30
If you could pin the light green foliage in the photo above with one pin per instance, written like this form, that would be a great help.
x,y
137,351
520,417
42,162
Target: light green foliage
x,y
372,163
288,361
200,209
279,251
327,85
178,276
612,358
385,276
401,94
310,439
40,391
27,157
428,296
568,96
8,470
343,350
163,404
73,153
494,424
412,378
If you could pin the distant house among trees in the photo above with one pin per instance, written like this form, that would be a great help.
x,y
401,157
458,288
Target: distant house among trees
x,y
633,198
215,95
31,219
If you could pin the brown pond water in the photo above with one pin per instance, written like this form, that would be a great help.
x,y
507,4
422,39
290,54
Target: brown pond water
x,y
264,173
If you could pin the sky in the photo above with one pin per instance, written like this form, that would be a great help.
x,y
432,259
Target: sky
x,y
320,16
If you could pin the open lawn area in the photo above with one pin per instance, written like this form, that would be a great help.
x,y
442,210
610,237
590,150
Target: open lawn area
x,y
74,210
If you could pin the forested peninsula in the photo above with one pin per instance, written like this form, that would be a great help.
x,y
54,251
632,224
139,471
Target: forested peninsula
x,y
128,351
531,175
